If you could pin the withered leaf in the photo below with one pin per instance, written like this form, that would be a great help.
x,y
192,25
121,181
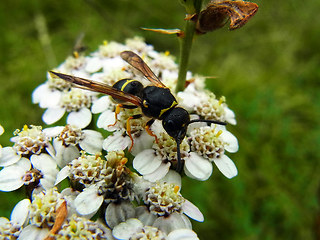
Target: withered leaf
x,y
217,13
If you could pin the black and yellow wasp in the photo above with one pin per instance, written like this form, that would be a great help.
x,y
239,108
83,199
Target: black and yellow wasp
x,y
156,101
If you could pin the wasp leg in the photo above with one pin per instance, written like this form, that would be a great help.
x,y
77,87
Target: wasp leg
x,y
148,125
117,111
129,128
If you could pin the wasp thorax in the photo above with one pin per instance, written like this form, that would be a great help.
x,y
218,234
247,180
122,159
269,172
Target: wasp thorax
x,y
157,101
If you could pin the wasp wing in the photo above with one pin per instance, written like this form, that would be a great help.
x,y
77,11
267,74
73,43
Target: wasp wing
x,y
135,61
99,87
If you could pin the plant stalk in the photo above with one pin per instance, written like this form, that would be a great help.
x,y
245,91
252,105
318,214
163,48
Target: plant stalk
x,y
185,46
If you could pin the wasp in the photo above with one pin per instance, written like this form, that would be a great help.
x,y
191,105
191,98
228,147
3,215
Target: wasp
x,y
156,101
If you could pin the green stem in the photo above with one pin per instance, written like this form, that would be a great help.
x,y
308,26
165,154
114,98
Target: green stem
x,y
186,44
185,48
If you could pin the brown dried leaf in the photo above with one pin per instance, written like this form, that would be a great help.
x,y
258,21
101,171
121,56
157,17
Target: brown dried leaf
x,y
62,213
217,13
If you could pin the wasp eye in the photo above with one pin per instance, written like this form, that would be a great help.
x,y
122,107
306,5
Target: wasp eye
x,y
170,125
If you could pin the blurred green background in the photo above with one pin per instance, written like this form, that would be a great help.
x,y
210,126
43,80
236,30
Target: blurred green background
x,y
268,70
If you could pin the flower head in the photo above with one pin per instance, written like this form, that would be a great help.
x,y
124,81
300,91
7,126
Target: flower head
x,y
164,199
30,140
154,163
44,211
211,143
134,229
206,105
101,181
11,229
69,139
29,161
77,227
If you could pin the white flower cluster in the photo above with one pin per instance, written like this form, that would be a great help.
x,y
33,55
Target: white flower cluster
x,y
143,205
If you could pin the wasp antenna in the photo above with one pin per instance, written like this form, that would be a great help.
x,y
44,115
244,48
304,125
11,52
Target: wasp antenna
x,y
207,121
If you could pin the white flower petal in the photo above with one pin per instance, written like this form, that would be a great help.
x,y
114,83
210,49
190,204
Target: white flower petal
x,y
183,234
172,177
69,195
1,130
106,119
52,115
53,131
146,162
126,229
50,99
188,98
116,142
4,221
195,125
43,162
24,163
37,93
100,105
8,156
63,174
20,212
48,180
159,173
232,142
93,64
11,176
64,155
157,127
81,118
197,167
50,150
192,211
31,232
230,116
145,216
173,222
88,201
117,213
92,142
46,97
144,141
226,166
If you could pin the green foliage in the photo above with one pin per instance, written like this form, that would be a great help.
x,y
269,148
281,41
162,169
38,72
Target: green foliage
x,y
268,70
